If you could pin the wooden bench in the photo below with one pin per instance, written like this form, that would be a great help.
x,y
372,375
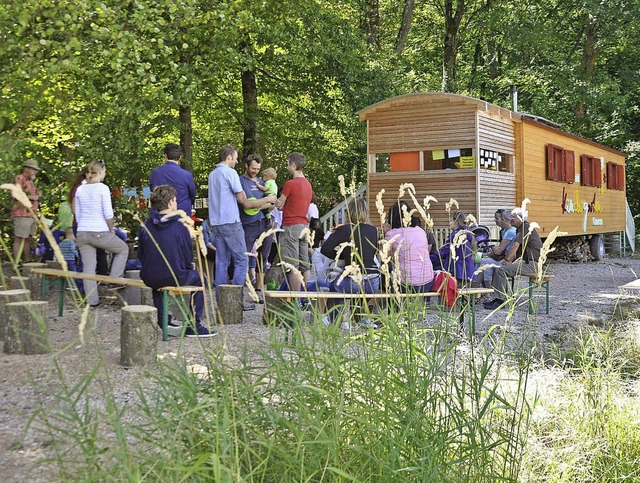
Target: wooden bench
x,y
176,293
467,294
535,281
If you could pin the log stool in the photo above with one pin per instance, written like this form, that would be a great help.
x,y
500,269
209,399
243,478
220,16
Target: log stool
x,y
20,282
138,335
27,331
230,304
7,297
35,279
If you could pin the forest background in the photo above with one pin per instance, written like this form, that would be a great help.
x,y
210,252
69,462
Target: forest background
x,y
116,80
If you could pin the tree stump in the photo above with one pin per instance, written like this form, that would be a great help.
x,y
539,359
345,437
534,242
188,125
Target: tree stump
x,y
35,280
19,282
133,295
27,331
7,297
54,264
139,336
230,304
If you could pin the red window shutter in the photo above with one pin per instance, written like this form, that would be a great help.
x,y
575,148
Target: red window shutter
x,y
569,166
620,173
550,163
610,176
597,172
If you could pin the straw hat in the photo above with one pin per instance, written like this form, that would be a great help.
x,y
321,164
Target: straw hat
x,y
31,163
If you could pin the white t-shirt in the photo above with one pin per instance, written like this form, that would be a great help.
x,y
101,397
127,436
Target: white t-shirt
x,y
93,207
313,212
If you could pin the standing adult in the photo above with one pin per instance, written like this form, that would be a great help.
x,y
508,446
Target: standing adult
x,y
24,223
254,221
294,203
225,198
521,259
95,217
165,251
179,178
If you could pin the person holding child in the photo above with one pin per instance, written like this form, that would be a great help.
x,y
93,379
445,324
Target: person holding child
x,y
456,256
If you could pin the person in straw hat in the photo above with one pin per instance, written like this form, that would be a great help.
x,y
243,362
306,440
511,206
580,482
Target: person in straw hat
x,y
24,223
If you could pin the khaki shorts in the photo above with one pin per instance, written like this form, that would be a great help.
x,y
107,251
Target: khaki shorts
x,y
293,249
24,226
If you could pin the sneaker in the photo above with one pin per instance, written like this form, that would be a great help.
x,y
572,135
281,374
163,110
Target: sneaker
x,y
201,331
326,321
260,296
345,325
174,330
494,304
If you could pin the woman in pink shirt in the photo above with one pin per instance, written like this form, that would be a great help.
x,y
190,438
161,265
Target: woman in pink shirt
x,y
412,246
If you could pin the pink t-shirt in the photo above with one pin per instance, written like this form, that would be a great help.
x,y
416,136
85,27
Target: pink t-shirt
x,y
298,192
413,255
18,210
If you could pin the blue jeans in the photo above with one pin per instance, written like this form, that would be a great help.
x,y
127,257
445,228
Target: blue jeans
x,y
197,302
230,245
348,285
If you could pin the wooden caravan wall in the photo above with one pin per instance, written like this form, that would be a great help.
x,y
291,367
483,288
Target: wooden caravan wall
x,y
442,185
417,125
497,189
497,192
546,196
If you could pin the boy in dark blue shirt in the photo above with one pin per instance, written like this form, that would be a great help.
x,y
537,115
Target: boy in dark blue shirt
x,y
165,250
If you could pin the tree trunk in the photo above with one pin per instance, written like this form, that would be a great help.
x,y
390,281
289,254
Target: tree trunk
x,y
451,42
250,113
405,26
371,23
589,56
186,137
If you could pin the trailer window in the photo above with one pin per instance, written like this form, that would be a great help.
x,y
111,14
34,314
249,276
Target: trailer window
x,y
458,158
495,161
383,162
615,176
590,171
561,164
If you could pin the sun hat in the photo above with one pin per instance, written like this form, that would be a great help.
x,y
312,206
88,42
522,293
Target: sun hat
x,y
31,163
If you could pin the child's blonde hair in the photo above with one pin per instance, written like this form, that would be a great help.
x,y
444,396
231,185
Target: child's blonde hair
x,y
270,173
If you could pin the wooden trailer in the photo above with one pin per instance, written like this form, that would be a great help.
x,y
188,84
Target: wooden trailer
x,y
487,157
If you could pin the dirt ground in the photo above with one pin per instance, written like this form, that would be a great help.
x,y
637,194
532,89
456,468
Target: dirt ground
x,y
580,294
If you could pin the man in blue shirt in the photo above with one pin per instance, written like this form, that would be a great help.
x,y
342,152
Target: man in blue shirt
x,y
179,178
226,196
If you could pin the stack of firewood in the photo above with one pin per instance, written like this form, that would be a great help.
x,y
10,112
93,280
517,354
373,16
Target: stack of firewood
x,y
571,249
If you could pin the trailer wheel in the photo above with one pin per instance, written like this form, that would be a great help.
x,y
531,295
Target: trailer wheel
x,y
596,245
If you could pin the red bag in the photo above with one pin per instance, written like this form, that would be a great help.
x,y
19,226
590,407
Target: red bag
x,y
447,287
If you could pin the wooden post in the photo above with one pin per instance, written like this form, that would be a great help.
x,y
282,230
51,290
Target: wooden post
x,y
230,304
27,331
139,335
6,297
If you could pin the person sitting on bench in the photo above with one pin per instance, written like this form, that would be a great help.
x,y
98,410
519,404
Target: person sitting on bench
x,y
165,250
521,259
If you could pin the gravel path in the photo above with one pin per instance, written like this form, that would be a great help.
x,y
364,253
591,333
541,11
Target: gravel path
x,y
580,294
